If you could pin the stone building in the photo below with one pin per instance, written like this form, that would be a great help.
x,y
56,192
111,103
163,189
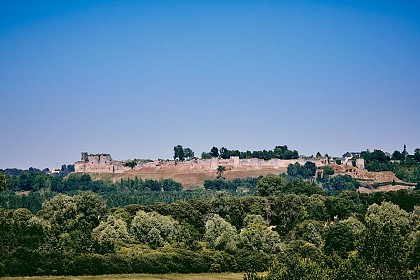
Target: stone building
x,y
100,163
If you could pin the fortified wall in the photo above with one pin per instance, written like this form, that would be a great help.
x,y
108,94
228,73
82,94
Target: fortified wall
x,y
103,163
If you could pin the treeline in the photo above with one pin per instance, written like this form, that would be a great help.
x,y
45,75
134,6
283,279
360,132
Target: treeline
x,y
293,227
246,185
17,172
33,201
84,182
280,152
38,188
64,171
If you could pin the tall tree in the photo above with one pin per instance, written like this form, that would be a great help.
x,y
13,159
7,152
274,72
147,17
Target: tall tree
x,y
269,185
179,153
154,229
417,155
214,152
3,182
383,245
256,236
205,155
188,153
224,153
220,234
131,164
220,171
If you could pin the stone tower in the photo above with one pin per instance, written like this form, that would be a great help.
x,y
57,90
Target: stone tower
x,y
85,156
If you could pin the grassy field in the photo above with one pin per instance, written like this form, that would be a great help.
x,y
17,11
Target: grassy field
x,y
204,276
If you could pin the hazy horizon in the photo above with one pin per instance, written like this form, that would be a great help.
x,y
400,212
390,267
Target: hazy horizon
x,y
136,78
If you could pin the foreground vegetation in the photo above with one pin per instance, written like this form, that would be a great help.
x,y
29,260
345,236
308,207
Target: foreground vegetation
x,y
289,226
201,276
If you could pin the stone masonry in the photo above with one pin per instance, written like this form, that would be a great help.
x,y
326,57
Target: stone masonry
x,y
103,163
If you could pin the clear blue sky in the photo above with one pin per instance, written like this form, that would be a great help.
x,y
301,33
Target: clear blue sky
x,y
135,78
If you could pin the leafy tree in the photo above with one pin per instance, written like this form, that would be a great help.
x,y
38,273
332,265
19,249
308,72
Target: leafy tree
x,y
113,230
224,153
21,238
188,153
315,207
306,171
60,212
3,182
413,242
342,237
299,268
310,166
397,155
154,238
384,242
71,220
328,170
90,209
214,152
335,185
205,155
248,184
340,207
310,231
220,170
220,234
152,185
80,212
417,155
256,236
286,211
169,185
153,228
218,185
282,152
130,164
179,153
302,187
270,184
376,161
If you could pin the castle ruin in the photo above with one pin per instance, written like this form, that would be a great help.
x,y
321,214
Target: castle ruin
x,y
103,163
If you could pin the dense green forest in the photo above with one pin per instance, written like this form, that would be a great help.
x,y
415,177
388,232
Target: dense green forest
x,y
292,227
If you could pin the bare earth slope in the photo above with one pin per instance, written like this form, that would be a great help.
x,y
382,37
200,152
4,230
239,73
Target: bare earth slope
x,y
196,177
188,178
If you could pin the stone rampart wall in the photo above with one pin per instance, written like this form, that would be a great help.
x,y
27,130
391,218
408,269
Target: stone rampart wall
x,y
104,164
